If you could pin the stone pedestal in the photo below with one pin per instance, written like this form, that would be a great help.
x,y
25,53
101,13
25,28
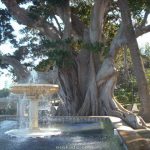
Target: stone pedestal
x,y
33,114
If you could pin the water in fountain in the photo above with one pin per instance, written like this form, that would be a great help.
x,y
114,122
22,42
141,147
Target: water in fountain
x,y
34,77
33,94
46,110
23,112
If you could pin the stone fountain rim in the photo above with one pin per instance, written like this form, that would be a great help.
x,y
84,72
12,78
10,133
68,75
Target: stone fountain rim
x,y
35,85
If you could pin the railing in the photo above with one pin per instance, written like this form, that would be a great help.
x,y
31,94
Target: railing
x,y
8,117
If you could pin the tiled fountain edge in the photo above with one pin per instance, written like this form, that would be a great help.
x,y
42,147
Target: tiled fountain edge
x,y
128,136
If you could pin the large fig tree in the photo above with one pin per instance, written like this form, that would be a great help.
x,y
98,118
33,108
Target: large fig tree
x,y
82,39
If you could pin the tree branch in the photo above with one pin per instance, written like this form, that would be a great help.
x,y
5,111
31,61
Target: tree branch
x,y
20,70
77,25
97,20
59,27
142,30
120,38
65,14
117,42
22,17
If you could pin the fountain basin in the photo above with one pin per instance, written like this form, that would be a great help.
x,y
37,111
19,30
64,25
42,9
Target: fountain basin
x,y
69,133
35,89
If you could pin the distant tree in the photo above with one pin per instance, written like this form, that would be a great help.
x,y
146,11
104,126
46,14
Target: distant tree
x,y
4,93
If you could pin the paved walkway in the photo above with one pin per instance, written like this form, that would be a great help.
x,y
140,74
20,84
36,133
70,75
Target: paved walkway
x,y
148,124
137,139
134,141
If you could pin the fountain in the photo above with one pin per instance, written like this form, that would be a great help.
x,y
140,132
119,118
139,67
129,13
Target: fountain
x,y
34,91
65,132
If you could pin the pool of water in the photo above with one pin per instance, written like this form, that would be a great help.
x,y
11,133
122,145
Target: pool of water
x,y
74,136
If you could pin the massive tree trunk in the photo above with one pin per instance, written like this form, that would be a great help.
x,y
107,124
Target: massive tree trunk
x,y
87,87
143,88
95,96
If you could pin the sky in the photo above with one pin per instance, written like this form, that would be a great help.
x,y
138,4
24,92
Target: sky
x,y
142,40
6,78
